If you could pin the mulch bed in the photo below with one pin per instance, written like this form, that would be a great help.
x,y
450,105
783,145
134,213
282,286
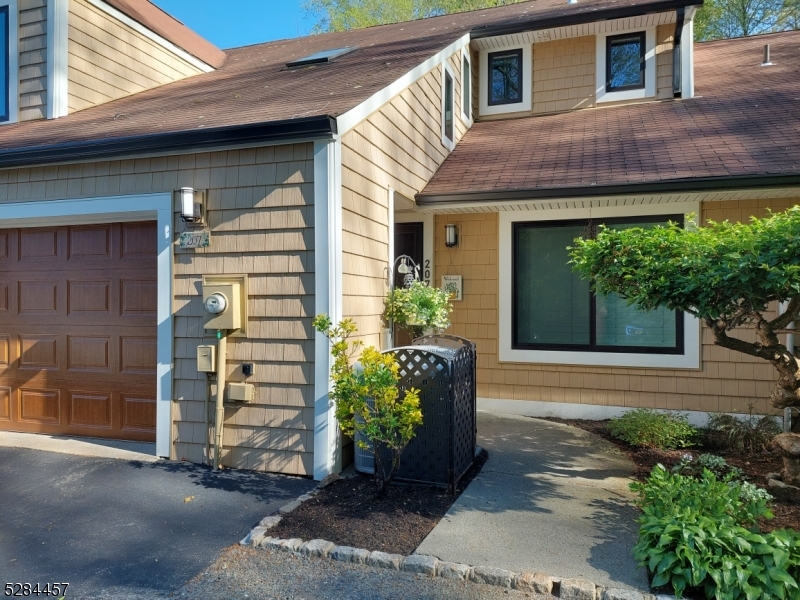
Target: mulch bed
x,y
350,512
786,506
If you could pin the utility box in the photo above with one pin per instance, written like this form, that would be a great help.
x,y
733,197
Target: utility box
x,y
206,359
241,392
225,303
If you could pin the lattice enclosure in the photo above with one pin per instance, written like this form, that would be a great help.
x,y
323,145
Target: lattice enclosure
x,y
444,445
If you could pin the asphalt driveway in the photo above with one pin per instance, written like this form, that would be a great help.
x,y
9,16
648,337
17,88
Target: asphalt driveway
x,y
121,528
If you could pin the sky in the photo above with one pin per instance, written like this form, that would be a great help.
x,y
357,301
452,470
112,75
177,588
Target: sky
x,y
232,23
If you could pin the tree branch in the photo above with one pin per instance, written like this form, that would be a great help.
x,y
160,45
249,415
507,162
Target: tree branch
x,y
791,314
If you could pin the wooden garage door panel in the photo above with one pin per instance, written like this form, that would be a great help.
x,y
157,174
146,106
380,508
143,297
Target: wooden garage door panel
x,y
88,297
5,403
89,242
39,406
90,409
38,244
78,330
38,297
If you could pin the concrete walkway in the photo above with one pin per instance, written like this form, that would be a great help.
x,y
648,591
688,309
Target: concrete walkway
x,y
551,499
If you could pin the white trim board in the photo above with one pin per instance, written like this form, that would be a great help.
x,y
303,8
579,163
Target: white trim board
x,y
113,209
649,89
527,82
57,56
566,410
139,28
690,359
355,115
327,298
13,61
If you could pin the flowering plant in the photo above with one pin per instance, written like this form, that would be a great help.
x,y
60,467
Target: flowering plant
x,y
418,308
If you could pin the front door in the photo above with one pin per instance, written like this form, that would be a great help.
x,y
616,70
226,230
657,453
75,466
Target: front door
x,y
408,241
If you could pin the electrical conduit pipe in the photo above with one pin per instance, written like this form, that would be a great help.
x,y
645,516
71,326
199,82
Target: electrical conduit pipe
x,y
222,350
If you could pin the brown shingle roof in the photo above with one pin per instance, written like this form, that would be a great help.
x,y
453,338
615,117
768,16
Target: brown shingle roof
x,y
254,86
168,27
743,122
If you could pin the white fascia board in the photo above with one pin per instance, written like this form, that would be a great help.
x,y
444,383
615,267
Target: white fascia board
x,y
139,28
327,298
57,57
355,115
13,61
114,209
649,89
690,359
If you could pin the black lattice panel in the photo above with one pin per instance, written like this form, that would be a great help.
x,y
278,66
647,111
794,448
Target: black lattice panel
x,y
444,445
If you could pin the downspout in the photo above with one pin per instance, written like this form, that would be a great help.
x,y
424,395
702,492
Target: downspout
x,y
676,52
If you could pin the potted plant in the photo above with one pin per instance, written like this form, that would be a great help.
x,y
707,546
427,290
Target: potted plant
x,y
419,308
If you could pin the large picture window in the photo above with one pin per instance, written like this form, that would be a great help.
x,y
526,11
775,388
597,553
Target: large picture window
x,y
505,77
554,309
5,112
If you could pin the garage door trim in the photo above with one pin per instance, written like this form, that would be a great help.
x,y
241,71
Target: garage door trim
x,y
109,209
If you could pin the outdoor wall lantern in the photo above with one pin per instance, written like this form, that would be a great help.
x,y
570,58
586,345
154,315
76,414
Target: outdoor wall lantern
x,y
451,235
191,205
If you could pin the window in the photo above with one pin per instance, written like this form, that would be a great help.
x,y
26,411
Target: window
x,y
5,112
625,62
554,309
505,77
447,109
466,88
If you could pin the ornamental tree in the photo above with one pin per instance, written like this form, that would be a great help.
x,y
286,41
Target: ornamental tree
x,y
726,274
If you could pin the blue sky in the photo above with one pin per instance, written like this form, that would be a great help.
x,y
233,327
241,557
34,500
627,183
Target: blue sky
x,y
231,23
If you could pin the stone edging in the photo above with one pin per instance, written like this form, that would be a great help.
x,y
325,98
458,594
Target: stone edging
x,y
568,589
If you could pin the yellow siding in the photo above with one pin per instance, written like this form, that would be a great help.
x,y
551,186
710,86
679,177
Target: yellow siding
x,y
563,75
32,59
727,381
664,41
260,211
399,146
109,60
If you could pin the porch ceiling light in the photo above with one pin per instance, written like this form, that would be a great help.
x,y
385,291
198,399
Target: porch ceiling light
x,y
451,235
191,205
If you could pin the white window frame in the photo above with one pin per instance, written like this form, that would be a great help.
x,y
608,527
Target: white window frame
x,y
466,116
690,359
448,70
649,89
13,61
527,83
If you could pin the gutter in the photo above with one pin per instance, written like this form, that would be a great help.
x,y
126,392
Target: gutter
x,y
700,184
320,127
580,17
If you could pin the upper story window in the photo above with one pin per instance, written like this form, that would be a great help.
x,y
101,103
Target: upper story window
x,y
5,112
448,106
505,77
625,62
626,65
466,88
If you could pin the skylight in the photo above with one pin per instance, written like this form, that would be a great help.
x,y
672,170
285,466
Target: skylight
x,y
325,56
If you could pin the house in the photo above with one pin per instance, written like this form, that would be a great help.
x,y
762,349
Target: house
x,y
314,162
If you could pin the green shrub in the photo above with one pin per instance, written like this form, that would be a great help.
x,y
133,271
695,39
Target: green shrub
x,y
721,469
650,429
745,435
693,533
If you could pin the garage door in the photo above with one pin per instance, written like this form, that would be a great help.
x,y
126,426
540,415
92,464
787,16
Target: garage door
x,y
78,330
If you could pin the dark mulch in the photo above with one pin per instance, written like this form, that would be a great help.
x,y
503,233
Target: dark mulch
x,y
786,506
350,512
